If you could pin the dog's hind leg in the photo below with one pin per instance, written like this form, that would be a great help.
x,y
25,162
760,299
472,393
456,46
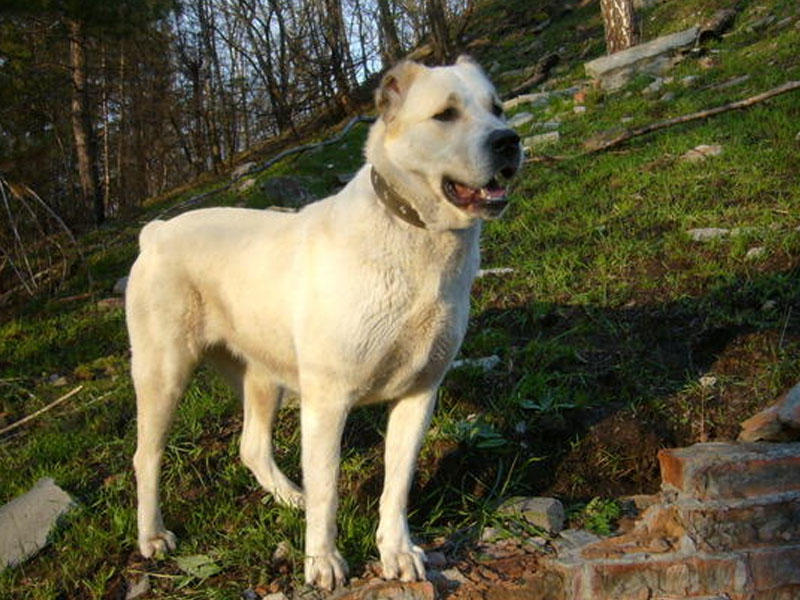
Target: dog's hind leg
x,y
261,402
160,373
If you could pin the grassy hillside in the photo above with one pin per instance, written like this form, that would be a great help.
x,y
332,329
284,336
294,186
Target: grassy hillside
x,y
617,333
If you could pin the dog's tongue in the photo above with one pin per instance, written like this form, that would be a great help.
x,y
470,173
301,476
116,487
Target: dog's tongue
x,y
469,195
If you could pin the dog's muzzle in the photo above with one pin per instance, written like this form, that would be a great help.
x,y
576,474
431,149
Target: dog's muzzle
x,y
489,200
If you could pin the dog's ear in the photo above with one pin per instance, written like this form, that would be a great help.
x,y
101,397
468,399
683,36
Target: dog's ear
x,y
394,87
467,60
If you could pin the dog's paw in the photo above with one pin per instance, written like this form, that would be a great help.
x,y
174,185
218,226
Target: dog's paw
x,y
408,565
290,496
326,571
157,544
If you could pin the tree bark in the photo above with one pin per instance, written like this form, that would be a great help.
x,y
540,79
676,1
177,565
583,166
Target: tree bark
x,y
391,50
84,138
620,24
440,35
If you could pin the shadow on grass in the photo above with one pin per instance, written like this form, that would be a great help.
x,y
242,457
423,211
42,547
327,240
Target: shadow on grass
x,y
587,395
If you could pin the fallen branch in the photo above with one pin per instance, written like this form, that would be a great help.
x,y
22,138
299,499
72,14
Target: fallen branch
x,y
593,146
266,165
32,416
541,73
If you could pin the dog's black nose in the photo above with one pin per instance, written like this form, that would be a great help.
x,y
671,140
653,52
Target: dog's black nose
x,y
504,143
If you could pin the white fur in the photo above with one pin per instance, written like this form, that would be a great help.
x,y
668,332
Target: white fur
x,y
341,302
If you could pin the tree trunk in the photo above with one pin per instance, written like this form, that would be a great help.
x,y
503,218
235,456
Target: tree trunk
x,y
84,138
620,24
391,50
339,52
440,35
106,126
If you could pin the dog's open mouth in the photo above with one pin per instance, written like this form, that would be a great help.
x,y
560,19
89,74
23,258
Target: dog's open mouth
x,y
489,200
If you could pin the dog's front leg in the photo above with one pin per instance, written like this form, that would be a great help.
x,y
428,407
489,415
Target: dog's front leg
x,y
322,420
408,421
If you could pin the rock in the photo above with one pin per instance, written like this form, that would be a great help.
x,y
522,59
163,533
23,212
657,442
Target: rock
x,y
548,125
287,191
275,596
536,100
541,140
777,423
705,234
57,380
520,119
535,544
755,252
242,170
579,109
719,23
494,271
138,588
120,286
668,97
654,57
454,577
761,23
436,560
486,363
689,80
797,137
701,152
282,554
726,471
250,594
545,513
789,407
572,540
654,87
489,535
26,521
245,185
763,426
387,590
344,178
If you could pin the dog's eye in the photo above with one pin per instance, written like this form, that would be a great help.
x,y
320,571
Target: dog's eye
x,y
448,114
497,110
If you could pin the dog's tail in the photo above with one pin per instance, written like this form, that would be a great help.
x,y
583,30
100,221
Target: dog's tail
x,y
149,234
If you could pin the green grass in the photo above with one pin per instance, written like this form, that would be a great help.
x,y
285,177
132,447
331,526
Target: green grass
x,y
610,318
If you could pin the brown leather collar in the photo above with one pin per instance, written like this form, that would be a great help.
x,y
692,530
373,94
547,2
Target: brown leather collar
x,y
394,202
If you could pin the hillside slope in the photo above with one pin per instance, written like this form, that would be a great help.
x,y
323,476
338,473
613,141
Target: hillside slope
x,y
617,332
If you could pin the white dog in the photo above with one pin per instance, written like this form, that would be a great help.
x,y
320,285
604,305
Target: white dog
x,y
359,298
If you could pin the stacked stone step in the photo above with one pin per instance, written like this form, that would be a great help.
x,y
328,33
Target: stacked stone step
x,y
726,525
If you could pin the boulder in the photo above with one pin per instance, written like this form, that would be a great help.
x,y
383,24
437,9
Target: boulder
x,y
701,152
520,119
26,521
242,170
544,513
654,57
541,140
120,286
286,191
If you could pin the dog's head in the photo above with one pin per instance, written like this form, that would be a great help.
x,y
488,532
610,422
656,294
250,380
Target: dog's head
x,y
442,142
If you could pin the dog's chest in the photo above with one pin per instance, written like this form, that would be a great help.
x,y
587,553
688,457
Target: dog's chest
x,y
411,336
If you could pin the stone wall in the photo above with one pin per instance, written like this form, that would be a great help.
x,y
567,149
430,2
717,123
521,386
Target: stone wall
x,y
725,526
